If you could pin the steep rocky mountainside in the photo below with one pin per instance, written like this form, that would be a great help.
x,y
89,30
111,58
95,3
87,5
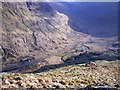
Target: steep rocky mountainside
x,y
34,28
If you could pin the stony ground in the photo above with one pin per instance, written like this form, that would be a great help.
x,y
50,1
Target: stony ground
x,y
74,76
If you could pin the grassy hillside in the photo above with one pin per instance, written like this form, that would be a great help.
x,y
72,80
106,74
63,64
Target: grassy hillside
x,y
94,74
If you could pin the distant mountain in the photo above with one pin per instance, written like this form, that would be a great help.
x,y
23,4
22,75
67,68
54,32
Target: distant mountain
x,y
96,19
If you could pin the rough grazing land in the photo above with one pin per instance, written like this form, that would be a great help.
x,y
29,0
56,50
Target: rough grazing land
x,y
75,76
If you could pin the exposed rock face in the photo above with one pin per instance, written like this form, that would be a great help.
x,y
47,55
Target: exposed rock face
x,y
34,28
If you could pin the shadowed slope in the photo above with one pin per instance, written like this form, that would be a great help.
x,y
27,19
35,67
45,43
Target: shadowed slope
x,y
95,19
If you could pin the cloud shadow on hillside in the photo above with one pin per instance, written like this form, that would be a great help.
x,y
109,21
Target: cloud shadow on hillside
x,y
79,59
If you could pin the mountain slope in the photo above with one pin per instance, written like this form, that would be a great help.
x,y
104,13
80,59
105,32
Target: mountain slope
x,y
34,27
98,19
38,31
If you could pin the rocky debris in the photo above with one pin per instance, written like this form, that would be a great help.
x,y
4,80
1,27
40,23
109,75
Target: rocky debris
x,y
104,74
